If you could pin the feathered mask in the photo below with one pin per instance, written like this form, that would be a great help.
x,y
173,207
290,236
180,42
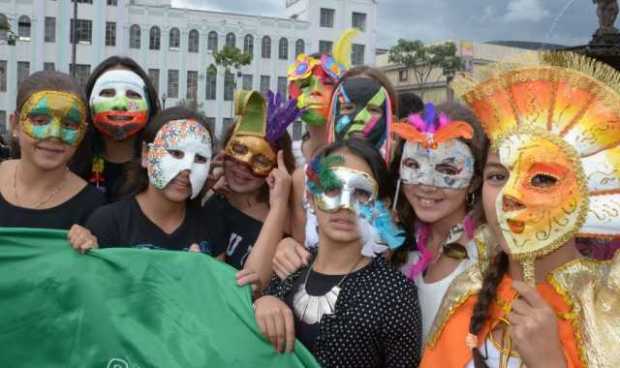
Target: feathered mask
x,y
431,128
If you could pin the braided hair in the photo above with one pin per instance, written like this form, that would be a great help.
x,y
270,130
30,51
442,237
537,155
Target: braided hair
x,y
492,278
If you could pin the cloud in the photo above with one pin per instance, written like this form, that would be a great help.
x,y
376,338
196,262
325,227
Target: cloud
x,y
525,11
567,22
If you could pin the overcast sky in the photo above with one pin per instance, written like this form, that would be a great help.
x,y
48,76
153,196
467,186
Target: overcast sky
x,y
567,22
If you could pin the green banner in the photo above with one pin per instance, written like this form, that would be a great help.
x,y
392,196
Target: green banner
x,y
124,308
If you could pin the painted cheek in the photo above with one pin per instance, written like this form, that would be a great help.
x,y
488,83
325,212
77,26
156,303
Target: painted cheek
x,y
70,136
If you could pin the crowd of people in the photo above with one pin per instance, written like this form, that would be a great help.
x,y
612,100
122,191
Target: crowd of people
x,y
405,234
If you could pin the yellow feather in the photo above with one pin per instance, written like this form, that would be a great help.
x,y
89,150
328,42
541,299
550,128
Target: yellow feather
x,y
342,48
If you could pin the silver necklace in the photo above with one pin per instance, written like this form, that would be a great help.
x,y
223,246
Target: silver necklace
x,y
312,308
45,199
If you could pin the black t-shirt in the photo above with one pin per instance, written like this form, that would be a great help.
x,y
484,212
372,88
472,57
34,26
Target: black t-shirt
x,y
230,231
318,284
74,211
123,224
114,175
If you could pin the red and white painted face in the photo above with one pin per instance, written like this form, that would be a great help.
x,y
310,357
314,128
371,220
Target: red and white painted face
x,y
119,104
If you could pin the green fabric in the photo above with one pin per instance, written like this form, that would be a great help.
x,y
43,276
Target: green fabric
x,y
124,308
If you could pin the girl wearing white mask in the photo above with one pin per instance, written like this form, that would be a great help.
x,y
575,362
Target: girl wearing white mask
x,y
122,100
176,154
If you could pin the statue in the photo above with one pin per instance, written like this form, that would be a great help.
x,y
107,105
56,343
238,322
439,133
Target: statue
x,y
607,12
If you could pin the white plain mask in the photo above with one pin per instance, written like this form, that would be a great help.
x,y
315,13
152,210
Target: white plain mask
x,y
188,137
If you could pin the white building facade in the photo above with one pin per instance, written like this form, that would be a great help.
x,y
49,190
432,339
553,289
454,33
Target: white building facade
x,y
174,45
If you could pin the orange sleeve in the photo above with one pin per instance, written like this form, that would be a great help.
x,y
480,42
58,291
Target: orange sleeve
x,y
450,349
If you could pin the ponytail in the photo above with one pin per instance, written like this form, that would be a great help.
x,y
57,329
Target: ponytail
x,y
492,278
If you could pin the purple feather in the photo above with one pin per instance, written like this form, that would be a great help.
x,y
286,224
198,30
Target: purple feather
x,y
280,114
428,121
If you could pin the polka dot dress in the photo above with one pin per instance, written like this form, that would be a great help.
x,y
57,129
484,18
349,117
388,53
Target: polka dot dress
x,y
377,322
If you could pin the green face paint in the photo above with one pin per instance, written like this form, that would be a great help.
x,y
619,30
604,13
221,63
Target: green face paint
x,y
54,114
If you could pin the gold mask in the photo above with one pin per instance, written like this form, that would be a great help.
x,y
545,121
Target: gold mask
x,y
54,114
254,152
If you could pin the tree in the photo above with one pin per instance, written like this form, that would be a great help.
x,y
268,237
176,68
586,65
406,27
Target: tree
x,y
231,57
6,32
424,58
191,104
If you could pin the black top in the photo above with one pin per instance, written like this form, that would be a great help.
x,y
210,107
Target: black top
x,y
74,211
231,231
114,175
377,320
123,224
317,284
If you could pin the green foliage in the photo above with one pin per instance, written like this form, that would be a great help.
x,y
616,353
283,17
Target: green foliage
x,y
424,58
231,57
191,104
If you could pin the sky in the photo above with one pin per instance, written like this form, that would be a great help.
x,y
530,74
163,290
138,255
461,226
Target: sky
x,y
565,22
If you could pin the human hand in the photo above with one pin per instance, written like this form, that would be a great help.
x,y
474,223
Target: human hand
x,y
289,257
275,320
81,239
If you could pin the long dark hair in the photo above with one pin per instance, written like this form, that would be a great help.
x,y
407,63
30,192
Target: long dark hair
x,y
137,177
53,81
376,74
284,143
371,156
478,145
93,138
488,293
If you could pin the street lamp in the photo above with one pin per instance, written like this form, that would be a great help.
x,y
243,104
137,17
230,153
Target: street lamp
x,y
163,101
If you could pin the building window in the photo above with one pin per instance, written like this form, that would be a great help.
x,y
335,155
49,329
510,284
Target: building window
x,y
325,47
357,54
247,81
175,38
212,41
23,71
154,77
266,48
134,37
193,41
211,123
154,38
192,85
82,72
265,82
229,86
2,75
110,33
50,29
173,83
23,28
403,75
300,47
49,67
248,45
327,17
3,20
359,21
211,87
112,2
83,31
231,40
282,86
83,1
298,130
283,49
227,124
3,126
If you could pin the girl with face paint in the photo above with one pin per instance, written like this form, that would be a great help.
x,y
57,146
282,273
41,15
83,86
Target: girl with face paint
x,y
37,189
347,308
551,175
250,155
177,148
439,162
372,101
122,101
